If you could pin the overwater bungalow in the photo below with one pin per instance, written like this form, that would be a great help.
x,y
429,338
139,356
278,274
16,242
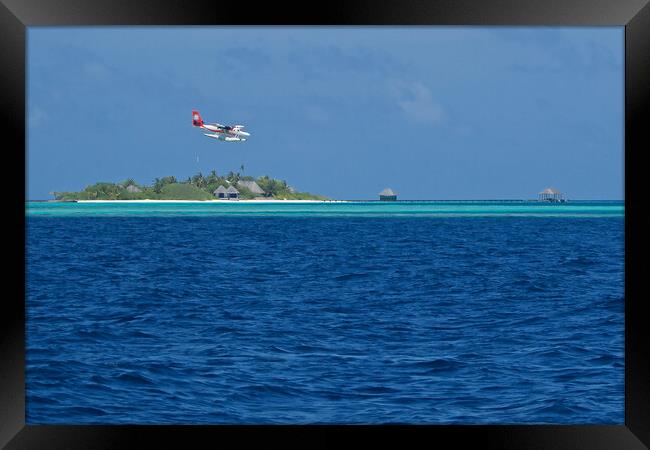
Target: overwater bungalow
x,y
551,195
387,195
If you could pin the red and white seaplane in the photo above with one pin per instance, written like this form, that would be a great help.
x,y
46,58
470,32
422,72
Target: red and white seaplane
x,y
225,133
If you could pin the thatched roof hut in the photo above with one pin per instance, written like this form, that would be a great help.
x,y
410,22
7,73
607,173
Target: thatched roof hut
x,y
251,186
388,195
221,192
232,192
551,195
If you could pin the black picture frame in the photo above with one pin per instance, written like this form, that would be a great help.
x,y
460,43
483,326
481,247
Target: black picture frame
x,y
634,15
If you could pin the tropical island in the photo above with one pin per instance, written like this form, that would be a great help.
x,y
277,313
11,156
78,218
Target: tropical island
x,y
233,186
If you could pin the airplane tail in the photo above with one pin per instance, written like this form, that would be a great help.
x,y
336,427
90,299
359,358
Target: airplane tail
x,y
197,121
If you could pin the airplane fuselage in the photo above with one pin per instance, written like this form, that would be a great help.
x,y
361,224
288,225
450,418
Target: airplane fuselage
x,y
226,131
218,131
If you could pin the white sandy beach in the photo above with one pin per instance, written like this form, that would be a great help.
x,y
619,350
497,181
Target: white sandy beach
x,y
212,201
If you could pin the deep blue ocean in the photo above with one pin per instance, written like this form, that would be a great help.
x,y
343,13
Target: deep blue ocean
x,y
427,313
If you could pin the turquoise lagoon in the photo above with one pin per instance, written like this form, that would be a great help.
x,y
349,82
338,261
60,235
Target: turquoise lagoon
x,y
482,208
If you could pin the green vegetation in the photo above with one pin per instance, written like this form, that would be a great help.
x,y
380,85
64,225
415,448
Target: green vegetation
x,y
184,191
197,187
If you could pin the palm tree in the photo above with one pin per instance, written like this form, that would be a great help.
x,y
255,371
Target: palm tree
x,y
212,178
198,180
232,177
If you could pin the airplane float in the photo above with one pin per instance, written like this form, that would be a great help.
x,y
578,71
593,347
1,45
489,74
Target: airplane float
x,y
221,132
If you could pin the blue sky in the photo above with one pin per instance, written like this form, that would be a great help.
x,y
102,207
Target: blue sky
x,y
432,112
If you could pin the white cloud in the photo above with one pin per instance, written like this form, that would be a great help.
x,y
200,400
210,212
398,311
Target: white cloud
x,y
416,101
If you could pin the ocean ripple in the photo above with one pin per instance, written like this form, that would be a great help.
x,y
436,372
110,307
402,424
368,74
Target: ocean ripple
x,y
296,319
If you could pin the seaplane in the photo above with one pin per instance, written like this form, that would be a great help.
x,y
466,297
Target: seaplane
x,y
225,133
